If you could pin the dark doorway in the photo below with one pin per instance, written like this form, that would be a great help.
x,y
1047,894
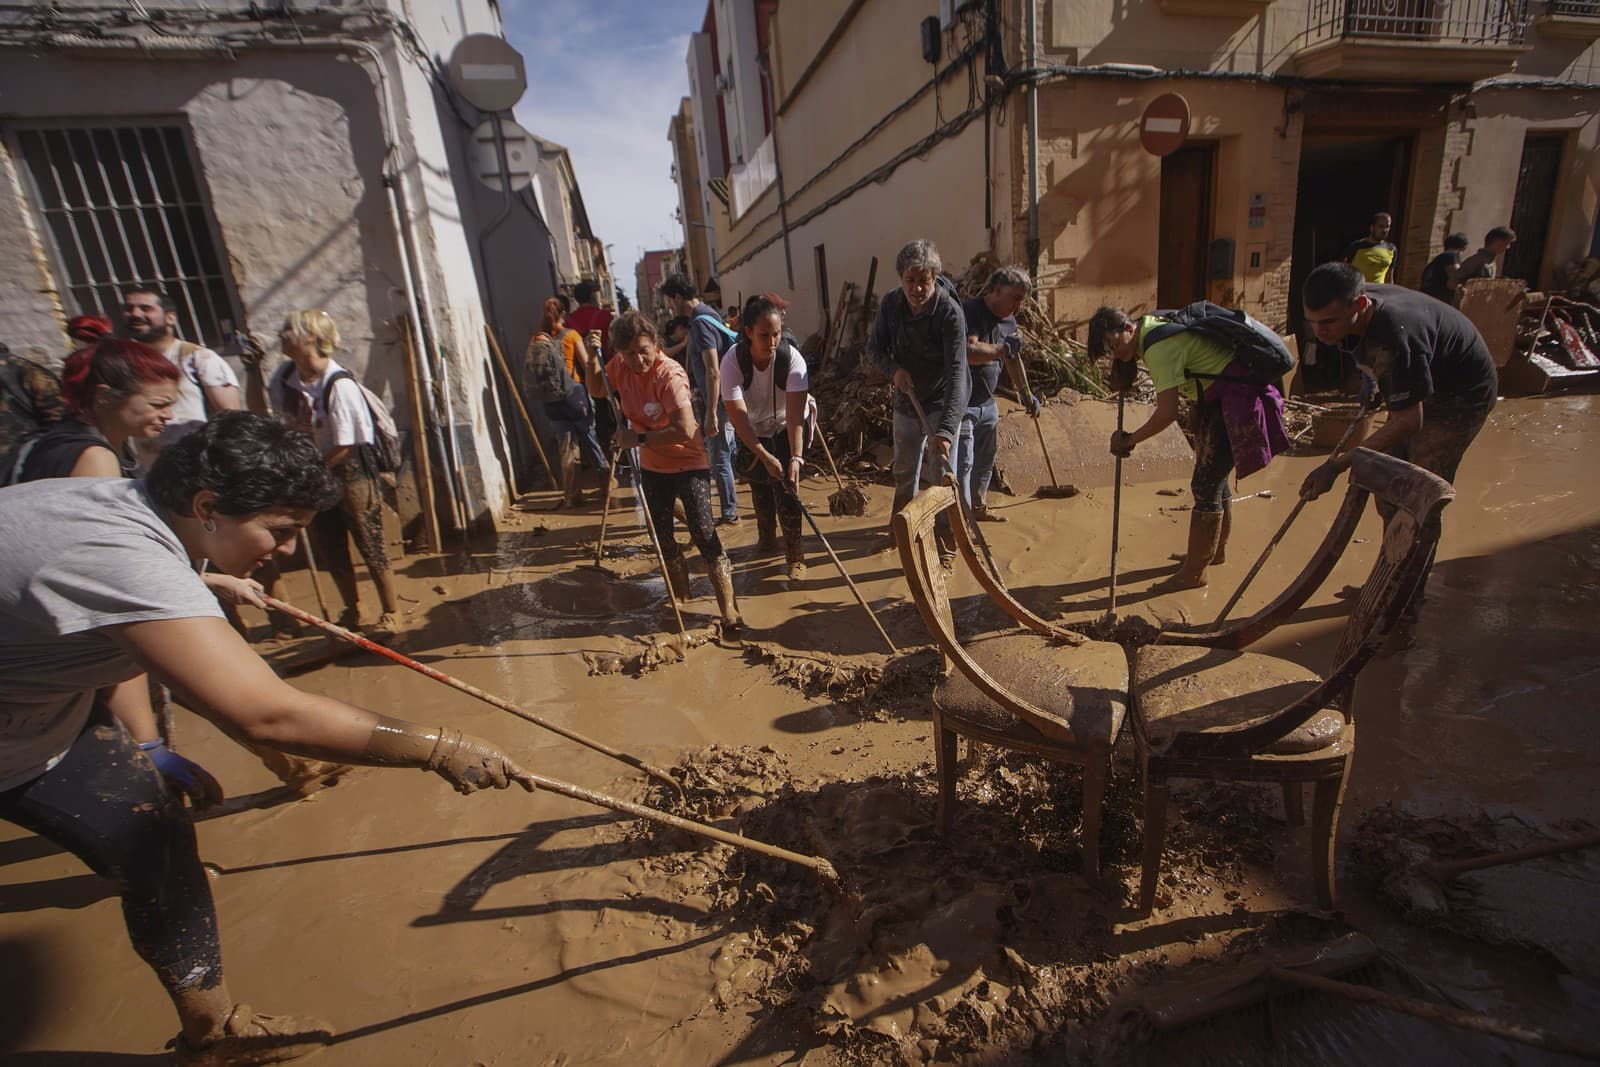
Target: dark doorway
x,y
1344,181
1530,209
1186,181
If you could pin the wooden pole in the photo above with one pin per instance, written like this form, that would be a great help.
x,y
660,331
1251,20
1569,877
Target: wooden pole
x,y
516,394
422,466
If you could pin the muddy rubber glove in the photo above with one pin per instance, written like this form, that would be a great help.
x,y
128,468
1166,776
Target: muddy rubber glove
x,y
1013,343
196,782
1030,404
466,762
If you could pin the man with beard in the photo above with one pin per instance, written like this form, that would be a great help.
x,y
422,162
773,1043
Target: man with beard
x,y
207,384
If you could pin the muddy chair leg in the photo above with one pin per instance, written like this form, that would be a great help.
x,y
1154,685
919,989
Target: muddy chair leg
x,y
1155,832
1095,774
1294,803
944,758
1326,798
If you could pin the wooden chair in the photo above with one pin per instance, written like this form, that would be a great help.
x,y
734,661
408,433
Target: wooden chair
x,y
1039,689
1203,709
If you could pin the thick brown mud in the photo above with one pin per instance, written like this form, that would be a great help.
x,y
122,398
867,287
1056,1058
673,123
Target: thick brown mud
x,y
432,928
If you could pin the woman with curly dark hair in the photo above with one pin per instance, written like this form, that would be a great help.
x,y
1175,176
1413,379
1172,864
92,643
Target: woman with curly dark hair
x,y
99,581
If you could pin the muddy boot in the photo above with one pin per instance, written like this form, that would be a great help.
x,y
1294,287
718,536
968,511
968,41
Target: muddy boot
x,y
795,554
1220,556
1205,527
678,576
766,521
722,582
250,1037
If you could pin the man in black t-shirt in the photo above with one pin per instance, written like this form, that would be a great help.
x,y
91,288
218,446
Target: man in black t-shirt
x,y
1424,354
1441,269
992,340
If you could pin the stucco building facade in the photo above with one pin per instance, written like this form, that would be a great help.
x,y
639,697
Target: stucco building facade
x,y
1307,116
255,162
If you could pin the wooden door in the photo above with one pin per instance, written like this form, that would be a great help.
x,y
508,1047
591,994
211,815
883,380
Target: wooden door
x,y
1186,193
1530,209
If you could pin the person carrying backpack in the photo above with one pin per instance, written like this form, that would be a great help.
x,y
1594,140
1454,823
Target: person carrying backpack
x,y
558,363
766,391
1230,365
30,401
326,400
709,338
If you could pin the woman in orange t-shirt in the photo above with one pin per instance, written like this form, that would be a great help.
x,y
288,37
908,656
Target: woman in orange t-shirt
x,y
670,458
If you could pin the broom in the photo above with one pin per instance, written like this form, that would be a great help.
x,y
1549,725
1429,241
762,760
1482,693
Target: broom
x,y
849,500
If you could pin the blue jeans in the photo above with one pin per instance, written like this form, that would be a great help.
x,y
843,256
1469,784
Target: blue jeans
x,y
975,453
907,444
575,417
720,447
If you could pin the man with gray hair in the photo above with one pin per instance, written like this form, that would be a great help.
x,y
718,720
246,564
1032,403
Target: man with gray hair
x,y
992,340
919,342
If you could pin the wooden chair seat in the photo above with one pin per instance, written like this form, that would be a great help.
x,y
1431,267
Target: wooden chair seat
x,y
1086,685
1184,689
1205,709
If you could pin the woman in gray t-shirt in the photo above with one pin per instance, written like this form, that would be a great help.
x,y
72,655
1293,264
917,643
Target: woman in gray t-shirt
x,y
98,581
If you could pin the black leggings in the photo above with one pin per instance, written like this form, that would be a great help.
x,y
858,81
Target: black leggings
x,y
693,488
1213,459
106,804
769,495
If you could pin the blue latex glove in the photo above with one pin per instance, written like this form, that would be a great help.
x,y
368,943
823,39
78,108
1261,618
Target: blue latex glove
x,y
196,782
1013,343
1030,403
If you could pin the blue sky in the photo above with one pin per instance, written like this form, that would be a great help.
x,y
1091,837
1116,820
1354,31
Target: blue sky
x,y
604,79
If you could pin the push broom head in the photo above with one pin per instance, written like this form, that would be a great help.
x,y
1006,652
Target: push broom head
x,y
848,501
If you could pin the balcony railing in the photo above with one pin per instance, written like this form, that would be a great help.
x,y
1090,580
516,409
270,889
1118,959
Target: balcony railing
x,y
1583,9
1449,22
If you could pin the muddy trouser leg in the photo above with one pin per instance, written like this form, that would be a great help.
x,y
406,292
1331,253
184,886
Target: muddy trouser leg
x,y
660,490
330,541
588,442
984,423
363,513
1448,429
907,450
693,489
964,455
784,502
106,804
1213,460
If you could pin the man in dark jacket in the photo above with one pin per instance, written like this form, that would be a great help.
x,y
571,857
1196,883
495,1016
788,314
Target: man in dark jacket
x,y
919,342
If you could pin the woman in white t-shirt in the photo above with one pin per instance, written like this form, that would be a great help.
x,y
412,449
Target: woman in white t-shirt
x,y
324,399
765,391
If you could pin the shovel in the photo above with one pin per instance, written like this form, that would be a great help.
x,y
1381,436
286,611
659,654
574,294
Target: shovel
x,y
1055,490
1116,521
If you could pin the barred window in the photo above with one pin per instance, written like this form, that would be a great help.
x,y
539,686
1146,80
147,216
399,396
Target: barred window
x,y
122,203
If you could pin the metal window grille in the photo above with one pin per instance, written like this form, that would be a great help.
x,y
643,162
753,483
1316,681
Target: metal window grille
x,y
123,204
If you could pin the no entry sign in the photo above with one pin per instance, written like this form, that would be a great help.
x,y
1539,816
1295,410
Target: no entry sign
x,y
1165,124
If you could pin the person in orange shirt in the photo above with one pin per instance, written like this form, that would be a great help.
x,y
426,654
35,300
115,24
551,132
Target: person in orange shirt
x,y
669,452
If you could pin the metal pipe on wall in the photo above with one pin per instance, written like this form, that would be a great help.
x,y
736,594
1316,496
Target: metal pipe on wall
x,y
1030,29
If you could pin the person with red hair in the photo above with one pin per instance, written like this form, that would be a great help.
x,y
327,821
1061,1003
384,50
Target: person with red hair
x,y
116,392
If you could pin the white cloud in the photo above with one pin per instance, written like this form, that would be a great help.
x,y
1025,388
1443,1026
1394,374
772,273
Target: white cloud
x,y
606,83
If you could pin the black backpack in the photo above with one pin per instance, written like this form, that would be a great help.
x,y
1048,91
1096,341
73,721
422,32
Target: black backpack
x,y
780,362
547,377
1259,350
30,403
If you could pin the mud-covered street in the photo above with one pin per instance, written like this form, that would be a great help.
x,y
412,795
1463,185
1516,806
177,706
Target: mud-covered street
x,y
507,929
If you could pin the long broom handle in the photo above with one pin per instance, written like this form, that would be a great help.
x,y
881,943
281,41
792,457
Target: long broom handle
x,y
826,451
605,510
1423,1009
1116,512
471,690
589,796
1294,513
843,573
311,565
1446,871
655,543
1049,465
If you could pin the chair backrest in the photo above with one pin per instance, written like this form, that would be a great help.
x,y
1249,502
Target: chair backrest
x,y
929,584
1244,632
1410,537
1408,544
